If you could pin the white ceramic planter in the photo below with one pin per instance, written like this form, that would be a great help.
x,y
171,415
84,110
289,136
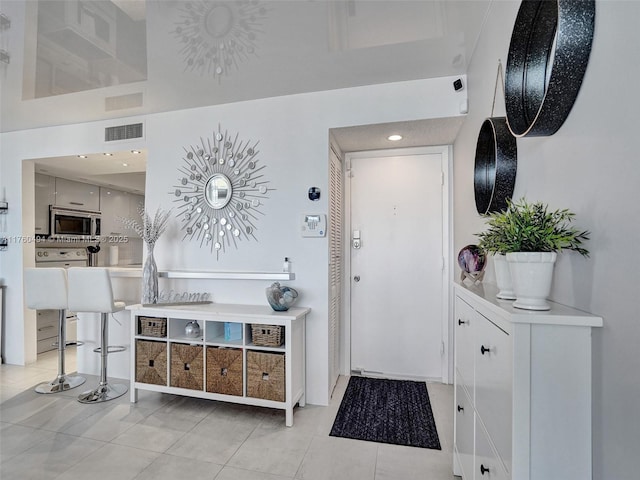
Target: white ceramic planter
x,y
503,277
531,273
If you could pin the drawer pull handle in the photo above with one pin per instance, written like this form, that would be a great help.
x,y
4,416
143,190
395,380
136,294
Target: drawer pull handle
x,y
460,409
463,322
484,350
483,469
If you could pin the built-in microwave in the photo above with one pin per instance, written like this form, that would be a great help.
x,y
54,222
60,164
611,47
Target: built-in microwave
x,y
67,223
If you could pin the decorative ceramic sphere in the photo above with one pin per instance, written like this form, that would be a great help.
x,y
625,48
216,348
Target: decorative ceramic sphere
x,y
472,259
192,329
280,298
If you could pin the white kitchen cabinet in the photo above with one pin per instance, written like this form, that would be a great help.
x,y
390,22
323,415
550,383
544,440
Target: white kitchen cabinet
x,y
47,330
115,204
213,319
77,195
135,201
45,187
522,389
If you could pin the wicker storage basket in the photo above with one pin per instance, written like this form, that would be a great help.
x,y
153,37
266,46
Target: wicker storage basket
x,y
267,335
265,375
152,326
187,366
224,370
151,362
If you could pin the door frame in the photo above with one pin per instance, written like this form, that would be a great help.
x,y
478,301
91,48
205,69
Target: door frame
x,y
447,247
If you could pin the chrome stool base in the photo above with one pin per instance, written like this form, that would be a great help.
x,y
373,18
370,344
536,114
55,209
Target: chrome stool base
x,y
103,393
61,384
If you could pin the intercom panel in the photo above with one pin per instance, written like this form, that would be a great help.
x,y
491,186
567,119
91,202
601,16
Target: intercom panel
x,y
314,225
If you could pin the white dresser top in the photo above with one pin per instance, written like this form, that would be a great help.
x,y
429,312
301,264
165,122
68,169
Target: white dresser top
x,y
217,311
558,315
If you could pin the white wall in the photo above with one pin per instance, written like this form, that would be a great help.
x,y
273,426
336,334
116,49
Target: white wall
x,y
294,143
591,167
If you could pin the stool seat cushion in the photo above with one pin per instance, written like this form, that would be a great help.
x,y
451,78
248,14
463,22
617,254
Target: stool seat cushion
x,y
90,291
45,288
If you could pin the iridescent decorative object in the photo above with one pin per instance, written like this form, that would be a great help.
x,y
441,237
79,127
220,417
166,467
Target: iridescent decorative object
x,y
472,261
280,298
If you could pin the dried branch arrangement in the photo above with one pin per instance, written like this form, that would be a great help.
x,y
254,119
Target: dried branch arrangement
x,y
149,229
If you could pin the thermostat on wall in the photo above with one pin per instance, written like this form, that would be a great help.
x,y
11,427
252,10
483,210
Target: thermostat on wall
x,y
314,225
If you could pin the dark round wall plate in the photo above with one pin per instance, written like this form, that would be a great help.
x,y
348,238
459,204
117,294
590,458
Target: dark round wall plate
x,y
495,168
548,56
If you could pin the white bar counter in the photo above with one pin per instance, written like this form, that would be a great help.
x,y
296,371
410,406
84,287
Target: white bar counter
x,y
126,283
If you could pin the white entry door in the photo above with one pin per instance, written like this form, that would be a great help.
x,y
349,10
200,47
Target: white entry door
x,y
397,272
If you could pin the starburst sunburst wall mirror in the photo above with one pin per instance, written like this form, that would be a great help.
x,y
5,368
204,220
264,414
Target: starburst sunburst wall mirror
x,y
221,190
218,35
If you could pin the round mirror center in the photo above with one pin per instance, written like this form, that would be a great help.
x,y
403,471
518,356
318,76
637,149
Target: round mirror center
x,y
218,191
219,21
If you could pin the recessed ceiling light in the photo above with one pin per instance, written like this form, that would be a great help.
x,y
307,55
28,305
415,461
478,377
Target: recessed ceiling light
x,y
394,138
82,156
135,152
108,154
125,164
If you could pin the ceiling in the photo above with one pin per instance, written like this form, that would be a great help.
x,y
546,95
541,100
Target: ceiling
x,y
124,170
73,61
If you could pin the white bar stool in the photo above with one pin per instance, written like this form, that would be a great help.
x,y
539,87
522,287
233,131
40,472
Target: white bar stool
x,y
46,289
90,291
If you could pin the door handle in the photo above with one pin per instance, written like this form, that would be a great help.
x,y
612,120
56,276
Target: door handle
x,y
356,240
356,278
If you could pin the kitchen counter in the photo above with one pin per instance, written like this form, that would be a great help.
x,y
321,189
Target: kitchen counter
x,y
125,271
127,287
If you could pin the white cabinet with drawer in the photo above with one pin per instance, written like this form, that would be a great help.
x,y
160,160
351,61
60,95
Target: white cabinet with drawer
x,y
78,195
523,389
45,187
234,357
115,204
464,432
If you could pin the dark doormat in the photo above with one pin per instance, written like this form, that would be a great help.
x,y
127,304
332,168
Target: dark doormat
x,y
387,411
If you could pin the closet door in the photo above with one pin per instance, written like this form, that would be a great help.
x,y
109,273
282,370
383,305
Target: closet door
x,y
336,208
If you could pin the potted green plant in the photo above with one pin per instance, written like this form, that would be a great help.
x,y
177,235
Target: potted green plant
x,y
530,236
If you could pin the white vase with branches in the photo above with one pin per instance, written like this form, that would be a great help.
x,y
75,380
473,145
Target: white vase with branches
x,y
149,229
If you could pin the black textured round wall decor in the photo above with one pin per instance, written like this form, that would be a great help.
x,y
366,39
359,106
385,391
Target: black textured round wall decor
x,y
496,163
548,57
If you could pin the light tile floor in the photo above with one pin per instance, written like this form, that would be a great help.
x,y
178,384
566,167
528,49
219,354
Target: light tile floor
x,y
167,437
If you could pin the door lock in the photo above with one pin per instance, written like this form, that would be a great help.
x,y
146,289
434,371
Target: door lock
x,y
356,278
356,240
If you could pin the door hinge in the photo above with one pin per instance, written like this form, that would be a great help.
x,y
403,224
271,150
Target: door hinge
x,y
442,264
442,348
442,178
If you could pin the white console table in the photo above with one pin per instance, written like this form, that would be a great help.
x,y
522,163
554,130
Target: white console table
x,y
212,319
522,389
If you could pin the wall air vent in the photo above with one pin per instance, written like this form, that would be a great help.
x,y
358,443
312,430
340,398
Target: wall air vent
x,y
123,132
